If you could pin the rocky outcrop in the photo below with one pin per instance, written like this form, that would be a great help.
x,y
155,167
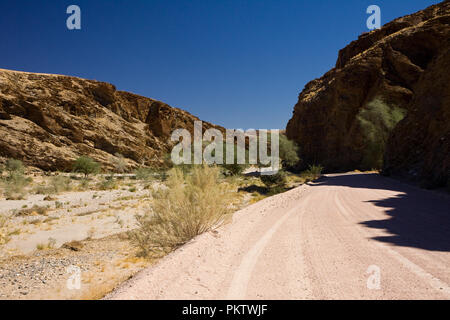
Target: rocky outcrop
x,y
49,120
419,147
349,118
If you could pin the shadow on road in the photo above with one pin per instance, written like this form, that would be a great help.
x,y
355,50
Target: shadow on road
x,y
418,218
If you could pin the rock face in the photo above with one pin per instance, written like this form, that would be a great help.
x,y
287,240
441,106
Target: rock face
x,y
385,104
49,120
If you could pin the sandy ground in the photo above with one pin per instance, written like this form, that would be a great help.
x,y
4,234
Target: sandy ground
x,y
35,262
81,215
351,236
102,263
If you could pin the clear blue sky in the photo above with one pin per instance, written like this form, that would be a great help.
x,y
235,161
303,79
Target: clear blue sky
x,y
236,63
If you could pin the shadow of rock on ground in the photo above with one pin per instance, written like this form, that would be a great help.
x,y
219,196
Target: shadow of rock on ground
x,y
418,218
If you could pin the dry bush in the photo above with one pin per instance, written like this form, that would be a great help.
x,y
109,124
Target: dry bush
x,y
60,184
47,246
35,210
189,206
15,186
56,185
83,185
144,173
4,230
108,183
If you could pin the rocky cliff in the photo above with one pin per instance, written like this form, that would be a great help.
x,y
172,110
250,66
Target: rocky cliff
x,y
385,104
49,120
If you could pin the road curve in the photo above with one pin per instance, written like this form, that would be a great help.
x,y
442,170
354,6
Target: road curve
x,y
347,236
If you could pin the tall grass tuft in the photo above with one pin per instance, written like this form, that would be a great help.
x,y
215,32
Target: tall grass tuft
x,y
189,206
4,230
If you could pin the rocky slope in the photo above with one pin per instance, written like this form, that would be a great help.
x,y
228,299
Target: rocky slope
x,y
386,103
49,120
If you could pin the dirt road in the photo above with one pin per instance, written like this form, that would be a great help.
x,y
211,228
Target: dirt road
x,y
351,236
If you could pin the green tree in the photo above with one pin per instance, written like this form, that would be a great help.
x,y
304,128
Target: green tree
x,y
377,121
86,166
288,151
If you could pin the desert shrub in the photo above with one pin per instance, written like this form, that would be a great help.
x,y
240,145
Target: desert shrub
x,y
14,166
84,184
4,230
55,185
86,166
234,168
288,151
15,185
39,210
377,121
60,183
189,206
119,163
47,246
143,173
314,172
163,175
275,180
108,183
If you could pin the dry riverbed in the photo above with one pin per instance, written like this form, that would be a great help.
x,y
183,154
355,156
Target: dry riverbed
x,y
51,234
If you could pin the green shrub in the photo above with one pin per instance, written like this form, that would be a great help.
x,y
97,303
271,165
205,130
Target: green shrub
x,y
377,121
143,173
15,184
275,180
86,166
55,185
108,183
288,152
84,184
314,172
235,169
14,166
189,206
60,184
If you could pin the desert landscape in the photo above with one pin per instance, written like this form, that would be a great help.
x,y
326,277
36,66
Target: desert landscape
x,y
89,187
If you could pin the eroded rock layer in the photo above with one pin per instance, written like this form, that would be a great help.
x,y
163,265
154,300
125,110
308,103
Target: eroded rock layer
x,y
49,120
385,104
